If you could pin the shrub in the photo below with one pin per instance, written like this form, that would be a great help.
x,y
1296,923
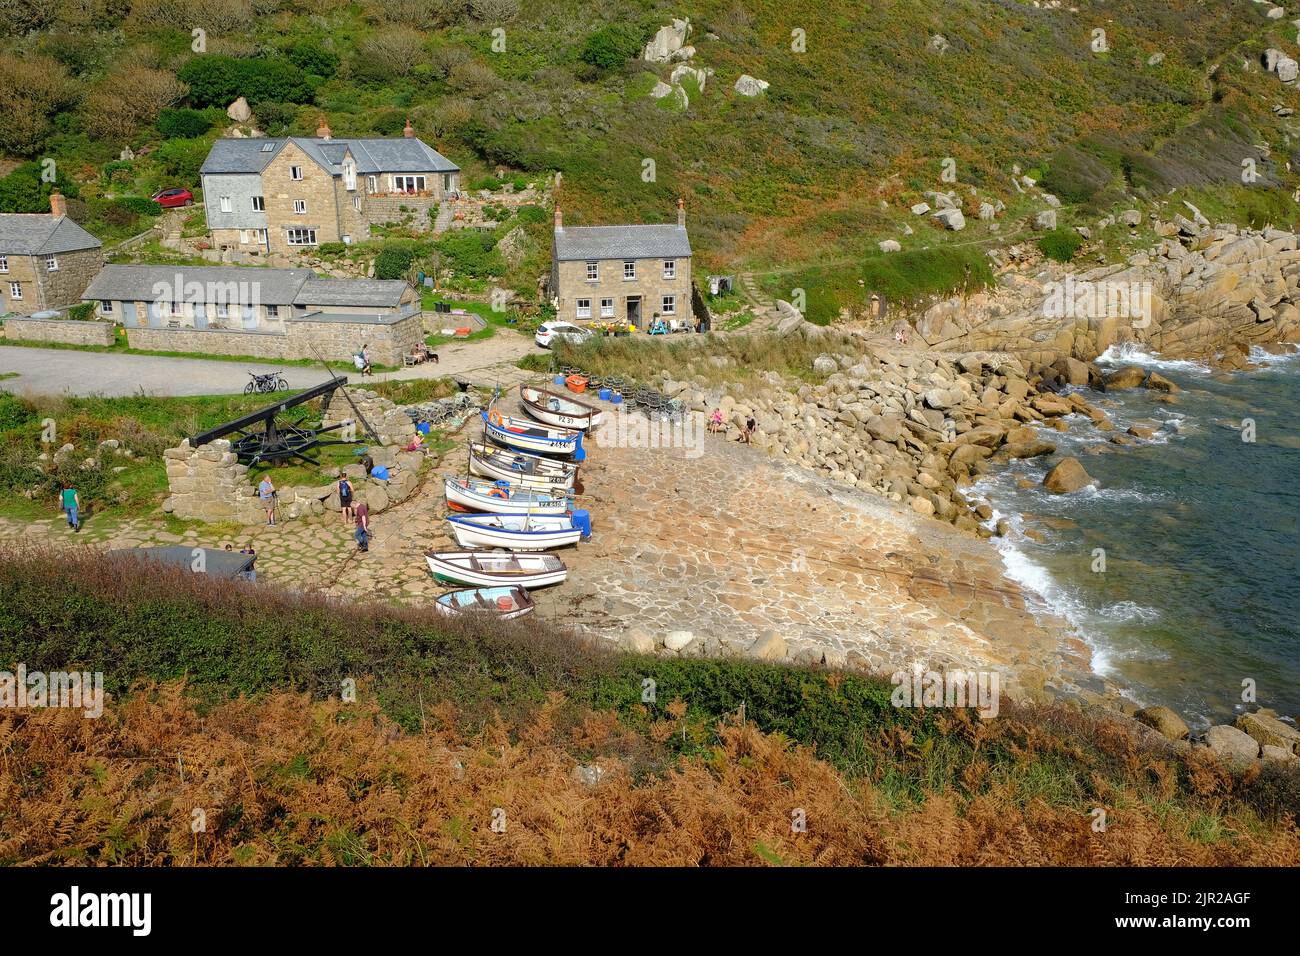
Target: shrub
x,y
393,262
217,80
1060,244
312,58
471,253
533,215
181,159
24,190
183,123
610,47
82,311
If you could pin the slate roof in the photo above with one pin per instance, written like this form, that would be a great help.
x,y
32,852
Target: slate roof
x,y
622,242
137,282
35,234
396,155
325,292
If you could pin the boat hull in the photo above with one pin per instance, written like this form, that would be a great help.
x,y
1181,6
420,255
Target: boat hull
x,y
558,410
451,605
457,568
520,500
538,473
525,436
469,534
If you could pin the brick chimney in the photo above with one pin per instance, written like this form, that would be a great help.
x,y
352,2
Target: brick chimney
x,y
409,131
323,130
559,220
681,213
58,205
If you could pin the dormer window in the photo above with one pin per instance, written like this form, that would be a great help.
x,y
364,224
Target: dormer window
x,y
349,176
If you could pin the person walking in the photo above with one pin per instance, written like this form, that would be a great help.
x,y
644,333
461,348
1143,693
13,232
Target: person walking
x,y
266,491
363,527
70,501
345,498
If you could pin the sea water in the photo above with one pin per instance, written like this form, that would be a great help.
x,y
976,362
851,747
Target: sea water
x,y
1181,566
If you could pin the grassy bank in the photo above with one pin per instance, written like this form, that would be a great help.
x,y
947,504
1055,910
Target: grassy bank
x,y
716,749
119,347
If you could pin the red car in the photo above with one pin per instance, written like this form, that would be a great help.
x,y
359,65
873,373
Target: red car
x,y
171,198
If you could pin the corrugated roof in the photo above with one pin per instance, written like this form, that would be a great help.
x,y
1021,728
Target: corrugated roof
x,y
34,234
622,242
325,292
138,283
397,155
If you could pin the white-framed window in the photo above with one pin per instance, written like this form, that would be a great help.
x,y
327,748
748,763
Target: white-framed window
x,y
300,206
372,184
295,172
356,203
223,310
224,201
15,290
302,237
243,237
629,268
670,268
51,263
408,184
606,308
272,311
584,308
4,263
669,305
593,271
259,204
349,176
105,306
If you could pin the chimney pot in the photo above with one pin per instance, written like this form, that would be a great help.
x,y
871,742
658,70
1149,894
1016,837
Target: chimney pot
x,y
323,130
58,206
409,131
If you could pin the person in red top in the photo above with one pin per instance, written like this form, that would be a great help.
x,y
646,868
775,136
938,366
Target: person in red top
x,y
362,535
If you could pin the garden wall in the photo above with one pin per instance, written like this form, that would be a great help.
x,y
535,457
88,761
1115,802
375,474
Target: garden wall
x,y
70,331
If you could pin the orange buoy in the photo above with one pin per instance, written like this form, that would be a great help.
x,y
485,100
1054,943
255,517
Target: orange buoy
x,y
495,417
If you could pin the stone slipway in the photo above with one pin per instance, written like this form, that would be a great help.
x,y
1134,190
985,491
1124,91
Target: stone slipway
x,y
732,544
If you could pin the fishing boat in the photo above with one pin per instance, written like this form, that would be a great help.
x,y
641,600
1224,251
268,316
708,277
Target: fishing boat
x,y
503,602
528,471
515,532
556,409
503,498
491,568
530,436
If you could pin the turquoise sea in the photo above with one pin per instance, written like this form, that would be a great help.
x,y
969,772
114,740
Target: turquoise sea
x,y
1199,598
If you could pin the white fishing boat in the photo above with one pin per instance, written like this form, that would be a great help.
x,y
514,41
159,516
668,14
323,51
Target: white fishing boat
x,y
503,602
556,409
531,436
503,497
516,467
515,532
491,568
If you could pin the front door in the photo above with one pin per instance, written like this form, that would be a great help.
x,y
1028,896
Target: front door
x,y
634,310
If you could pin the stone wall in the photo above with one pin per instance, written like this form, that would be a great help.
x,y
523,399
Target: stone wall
x,y
209,484
43,289
71,331
335,340
389,209
272,345
392,424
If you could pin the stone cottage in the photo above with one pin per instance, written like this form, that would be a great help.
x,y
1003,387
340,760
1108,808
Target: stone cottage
x,y
265,196
633,274
268,313
46,261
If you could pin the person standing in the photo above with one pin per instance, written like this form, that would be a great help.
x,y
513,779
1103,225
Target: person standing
x,y
363,527
345,498
266,491
70,501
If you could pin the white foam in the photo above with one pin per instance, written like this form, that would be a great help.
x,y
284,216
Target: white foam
x,y
1130,353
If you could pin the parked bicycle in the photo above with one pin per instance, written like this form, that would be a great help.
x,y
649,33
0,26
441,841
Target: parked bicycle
x,y
274,382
